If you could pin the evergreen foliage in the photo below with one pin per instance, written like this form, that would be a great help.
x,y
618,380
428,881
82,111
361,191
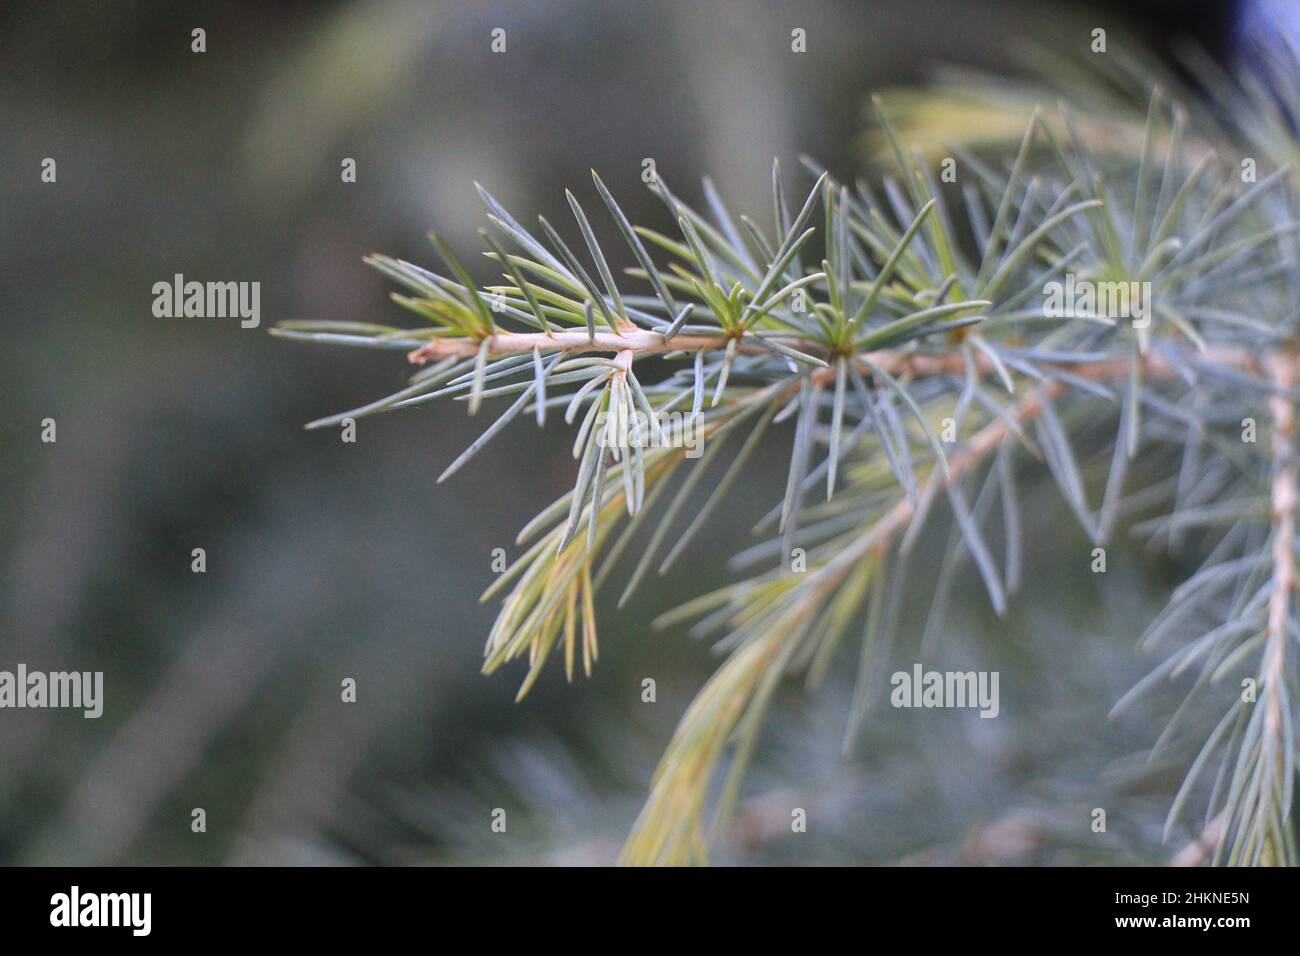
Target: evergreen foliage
x,y
900,329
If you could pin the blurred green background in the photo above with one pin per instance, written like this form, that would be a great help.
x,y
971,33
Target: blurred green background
x,y
328,560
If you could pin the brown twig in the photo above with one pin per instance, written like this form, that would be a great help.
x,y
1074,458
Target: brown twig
x,y
1281,371
640,342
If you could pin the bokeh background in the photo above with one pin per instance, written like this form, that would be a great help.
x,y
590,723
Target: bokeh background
x,y
328,560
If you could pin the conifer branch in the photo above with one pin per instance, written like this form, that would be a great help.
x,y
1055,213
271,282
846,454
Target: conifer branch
x,y
670,829
870,329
